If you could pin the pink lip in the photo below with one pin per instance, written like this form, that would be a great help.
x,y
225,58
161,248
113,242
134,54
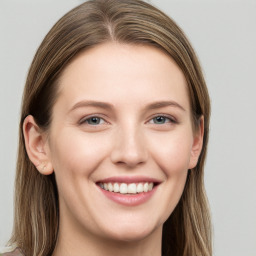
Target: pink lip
x,y
128,179
129,199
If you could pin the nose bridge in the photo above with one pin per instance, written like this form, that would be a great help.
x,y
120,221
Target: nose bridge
x,y
129,146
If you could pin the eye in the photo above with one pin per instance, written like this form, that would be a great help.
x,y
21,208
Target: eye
x,y
94,120
161,120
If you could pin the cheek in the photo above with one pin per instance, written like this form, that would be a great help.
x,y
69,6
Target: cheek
x,y
76,153
172,152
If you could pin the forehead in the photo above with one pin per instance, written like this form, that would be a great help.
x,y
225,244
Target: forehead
x,y
114,71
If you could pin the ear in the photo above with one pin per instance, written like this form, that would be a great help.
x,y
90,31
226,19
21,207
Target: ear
x,y
36,143
197,144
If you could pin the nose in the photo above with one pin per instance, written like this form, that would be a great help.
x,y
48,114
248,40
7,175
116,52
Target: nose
x,y
129,148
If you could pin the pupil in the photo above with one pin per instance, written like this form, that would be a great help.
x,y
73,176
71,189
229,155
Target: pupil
x,y
160,119
94,120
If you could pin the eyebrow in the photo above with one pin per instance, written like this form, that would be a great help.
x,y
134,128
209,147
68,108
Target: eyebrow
x,y
92,103
161,104
108,106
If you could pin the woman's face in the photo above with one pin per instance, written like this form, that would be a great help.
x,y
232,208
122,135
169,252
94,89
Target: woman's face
x,y
121,122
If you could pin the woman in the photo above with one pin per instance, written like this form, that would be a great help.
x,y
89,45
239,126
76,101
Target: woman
x,y
113,138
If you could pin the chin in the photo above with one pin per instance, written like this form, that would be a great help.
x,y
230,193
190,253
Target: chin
x,y
131,233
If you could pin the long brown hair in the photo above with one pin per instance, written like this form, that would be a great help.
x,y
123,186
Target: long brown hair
x,y
187,231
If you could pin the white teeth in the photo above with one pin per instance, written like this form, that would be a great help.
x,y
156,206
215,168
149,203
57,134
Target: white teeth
x,y
146,187
140,188
132,188
116,187
125,188
110,187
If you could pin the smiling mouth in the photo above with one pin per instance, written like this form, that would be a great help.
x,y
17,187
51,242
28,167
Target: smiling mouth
x,y
129,191
127,188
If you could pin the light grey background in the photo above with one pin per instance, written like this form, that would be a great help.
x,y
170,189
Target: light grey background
x,y
224,36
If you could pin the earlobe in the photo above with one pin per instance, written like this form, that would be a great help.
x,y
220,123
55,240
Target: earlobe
x,y
35,143
197,144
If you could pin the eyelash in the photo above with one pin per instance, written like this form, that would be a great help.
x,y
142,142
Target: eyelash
x,y
171,119
167,117
90,118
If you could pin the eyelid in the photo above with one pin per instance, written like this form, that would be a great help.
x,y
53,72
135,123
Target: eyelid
x,y
172,119
84,119
103,117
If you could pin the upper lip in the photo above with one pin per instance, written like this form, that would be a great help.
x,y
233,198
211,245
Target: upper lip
x,y
128,179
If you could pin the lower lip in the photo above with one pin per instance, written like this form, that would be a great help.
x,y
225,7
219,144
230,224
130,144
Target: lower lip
x,y
129,199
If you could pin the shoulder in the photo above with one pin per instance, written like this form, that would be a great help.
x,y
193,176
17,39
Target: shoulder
x,y
15,252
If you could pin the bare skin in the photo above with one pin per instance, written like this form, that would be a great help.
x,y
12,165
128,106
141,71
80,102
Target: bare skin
x,y
122,114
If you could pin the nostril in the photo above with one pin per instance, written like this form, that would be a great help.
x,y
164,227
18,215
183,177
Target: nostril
x,y
129,151
129,164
